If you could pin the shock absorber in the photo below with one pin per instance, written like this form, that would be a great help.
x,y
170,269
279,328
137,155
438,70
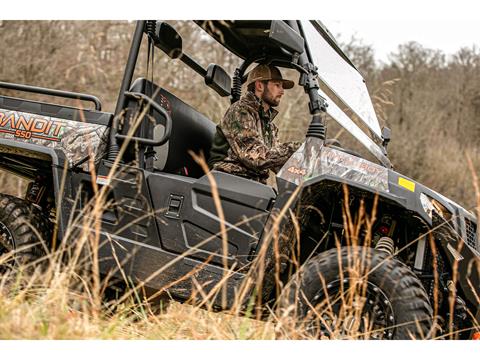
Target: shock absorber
x,y
385,244
35,190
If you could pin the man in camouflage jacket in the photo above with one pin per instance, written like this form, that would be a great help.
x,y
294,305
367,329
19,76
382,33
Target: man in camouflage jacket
x,y
246,141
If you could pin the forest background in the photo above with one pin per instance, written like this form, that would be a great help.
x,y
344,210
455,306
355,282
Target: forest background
x,y
430,100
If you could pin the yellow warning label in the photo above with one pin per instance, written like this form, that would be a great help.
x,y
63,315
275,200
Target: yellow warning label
x,y
407,184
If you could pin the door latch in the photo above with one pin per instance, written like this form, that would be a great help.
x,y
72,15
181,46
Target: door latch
x,y
175,203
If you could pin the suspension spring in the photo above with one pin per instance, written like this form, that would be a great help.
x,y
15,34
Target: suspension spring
x,y
386,244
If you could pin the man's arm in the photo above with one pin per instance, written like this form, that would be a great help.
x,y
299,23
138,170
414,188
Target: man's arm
x,y
288,148
246,141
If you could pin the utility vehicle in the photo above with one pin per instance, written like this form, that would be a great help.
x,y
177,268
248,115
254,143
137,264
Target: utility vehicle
x,y
290,247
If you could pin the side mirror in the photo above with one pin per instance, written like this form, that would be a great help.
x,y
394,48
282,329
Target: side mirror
x,y
218,79
286,37
168,40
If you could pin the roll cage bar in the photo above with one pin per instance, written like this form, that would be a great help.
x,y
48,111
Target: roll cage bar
x,y
302,62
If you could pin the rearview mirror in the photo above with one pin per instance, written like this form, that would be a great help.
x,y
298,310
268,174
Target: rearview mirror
x,y
168,40
286,37
218,79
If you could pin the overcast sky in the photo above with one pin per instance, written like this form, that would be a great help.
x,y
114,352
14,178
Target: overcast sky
x,y
446,25
385,36
442,24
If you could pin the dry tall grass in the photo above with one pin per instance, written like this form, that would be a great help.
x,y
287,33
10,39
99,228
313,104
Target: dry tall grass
x,y
58,299
64,296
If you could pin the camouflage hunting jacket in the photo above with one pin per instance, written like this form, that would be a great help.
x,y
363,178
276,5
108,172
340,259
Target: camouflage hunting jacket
x,y
246,141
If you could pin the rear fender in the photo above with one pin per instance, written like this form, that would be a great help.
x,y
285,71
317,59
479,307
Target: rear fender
x,y
59,169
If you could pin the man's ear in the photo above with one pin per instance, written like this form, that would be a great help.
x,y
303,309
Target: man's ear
x,y
259,86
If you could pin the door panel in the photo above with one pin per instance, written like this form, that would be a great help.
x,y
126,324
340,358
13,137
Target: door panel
x,y
131,245
128,212
189,223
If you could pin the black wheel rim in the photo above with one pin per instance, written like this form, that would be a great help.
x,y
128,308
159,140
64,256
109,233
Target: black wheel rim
x,y
363,310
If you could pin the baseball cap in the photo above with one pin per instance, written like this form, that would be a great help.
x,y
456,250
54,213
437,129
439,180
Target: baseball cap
x,y
268,72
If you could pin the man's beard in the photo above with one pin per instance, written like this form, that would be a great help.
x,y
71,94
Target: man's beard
x,y
269,99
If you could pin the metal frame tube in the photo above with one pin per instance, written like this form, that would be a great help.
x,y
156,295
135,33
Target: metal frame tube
x,y
131,63
53,92
126,83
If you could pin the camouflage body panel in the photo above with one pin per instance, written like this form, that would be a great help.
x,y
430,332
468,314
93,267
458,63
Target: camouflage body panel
x,y
313,159
76,139
254,148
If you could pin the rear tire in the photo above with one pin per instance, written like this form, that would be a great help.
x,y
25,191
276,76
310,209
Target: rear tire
x,y
356,292
24,232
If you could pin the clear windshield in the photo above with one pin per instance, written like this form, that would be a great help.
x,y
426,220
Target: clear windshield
x,y
347,85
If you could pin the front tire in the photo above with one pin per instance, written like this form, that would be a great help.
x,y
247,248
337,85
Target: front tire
x,y
355,292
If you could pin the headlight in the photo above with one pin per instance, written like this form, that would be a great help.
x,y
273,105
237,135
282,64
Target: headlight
x,y
430,205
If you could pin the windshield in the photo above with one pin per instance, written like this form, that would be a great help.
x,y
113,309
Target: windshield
x,y
349,88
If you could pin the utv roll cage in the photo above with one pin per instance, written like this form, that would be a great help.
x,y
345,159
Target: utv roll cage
x,y
279,43
279,46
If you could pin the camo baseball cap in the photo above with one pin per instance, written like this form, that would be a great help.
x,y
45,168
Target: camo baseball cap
x,y
268,72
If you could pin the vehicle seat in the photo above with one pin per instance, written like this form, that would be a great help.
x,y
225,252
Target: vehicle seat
x,y
191,131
